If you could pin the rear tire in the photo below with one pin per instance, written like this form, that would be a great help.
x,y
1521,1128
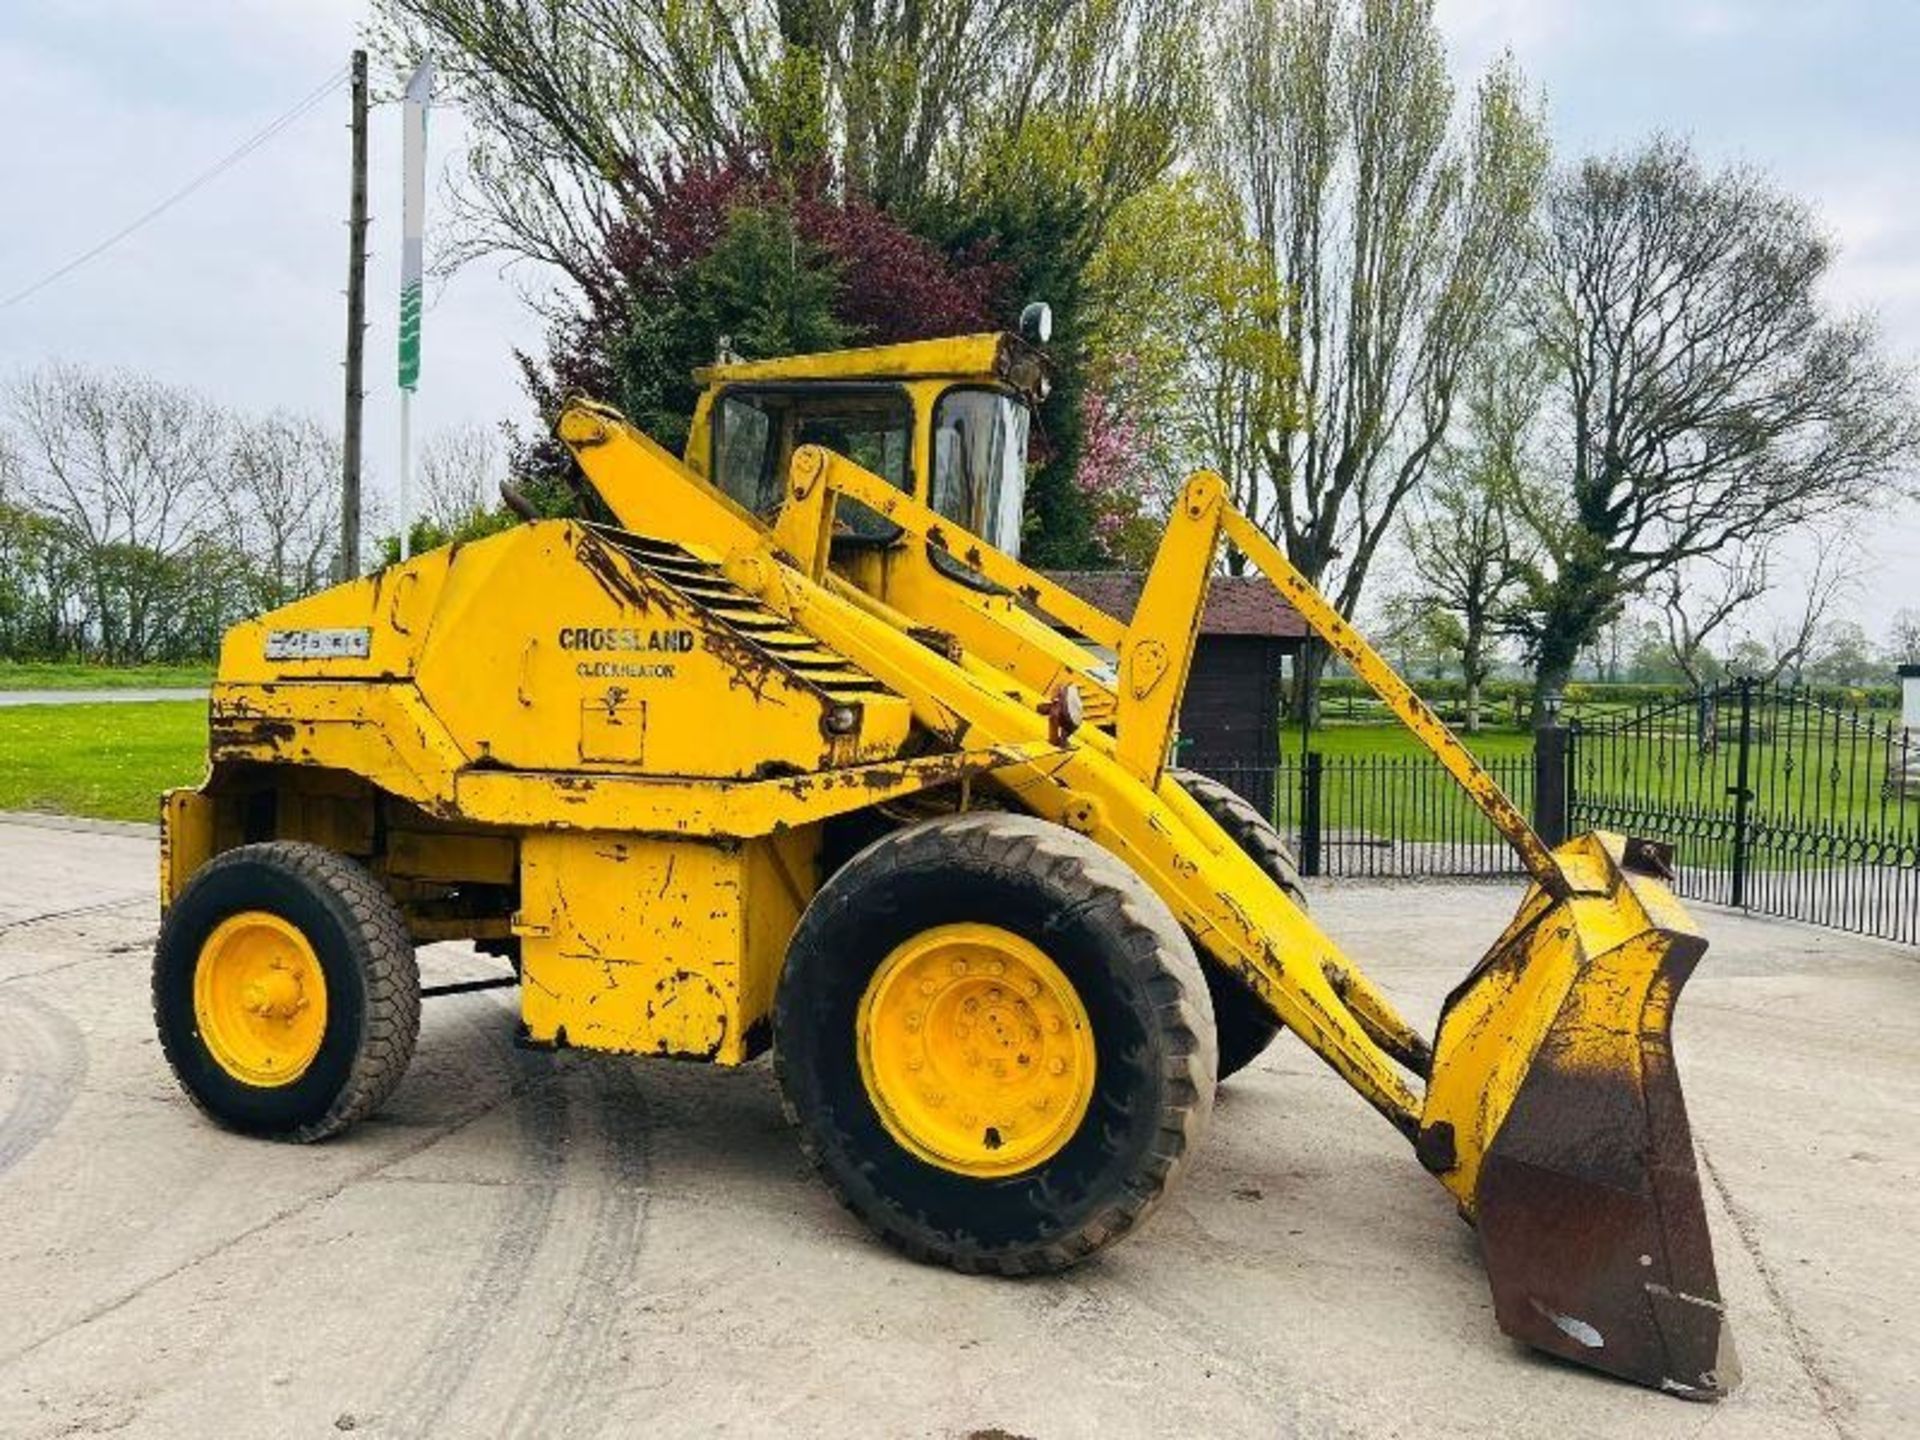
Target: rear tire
x,y
1246,1027
310,902
1103,932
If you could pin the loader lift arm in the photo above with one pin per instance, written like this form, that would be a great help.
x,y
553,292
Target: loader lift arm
x,y
1552,1110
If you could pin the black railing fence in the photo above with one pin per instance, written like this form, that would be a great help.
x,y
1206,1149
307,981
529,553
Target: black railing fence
x,y
1774,801
1381,816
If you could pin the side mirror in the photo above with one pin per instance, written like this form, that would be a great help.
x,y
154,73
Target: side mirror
x,y
1036,323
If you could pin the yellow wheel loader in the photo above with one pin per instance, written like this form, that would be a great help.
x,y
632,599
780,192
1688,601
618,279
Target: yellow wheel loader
x,y
789,751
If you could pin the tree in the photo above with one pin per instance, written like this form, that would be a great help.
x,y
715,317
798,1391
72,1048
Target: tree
x,y
732,253
1471,552
1702,400
1709,601
1832,574
122,469
574,102
35,573
280,501
762,290
1842,656
1185,322
1418,639
1114,460
997,131
1649,656
1397,232
460,473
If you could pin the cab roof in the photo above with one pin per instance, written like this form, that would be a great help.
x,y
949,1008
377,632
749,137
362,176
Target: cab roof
x,y
993,356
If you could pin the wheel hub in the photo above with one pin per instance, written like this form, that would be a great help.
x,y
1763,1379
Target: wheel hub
x,y
976,1050
260,998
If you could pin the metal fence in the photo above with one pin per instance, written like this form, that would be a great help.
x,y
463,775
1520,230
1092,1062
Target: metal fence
x,y
1774,801
1380,816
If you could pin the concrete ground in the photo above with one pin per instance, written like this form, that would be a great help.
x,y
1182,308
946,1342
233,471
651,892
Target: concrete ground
x,y
543,1245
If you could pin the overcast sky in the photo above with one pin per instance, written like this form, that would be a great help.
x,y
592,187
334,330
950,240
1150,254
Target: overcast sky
x,y
106,106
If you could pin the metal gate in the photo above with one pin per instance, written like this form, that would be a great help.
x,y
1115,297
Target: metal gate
x,y
1774,802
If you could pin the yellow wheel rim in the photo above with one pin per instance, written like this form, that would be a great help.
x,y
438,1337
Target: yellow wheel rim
x,y
260,999
975,1050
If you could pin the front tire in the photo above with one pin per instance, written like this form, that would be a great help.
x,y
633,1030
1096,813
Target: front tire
x,y
1246,1027
994,1042
285,991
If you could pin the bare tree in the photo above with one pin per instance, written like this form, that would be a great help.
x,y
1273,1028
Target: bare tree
x,y
1707,602
1698,602
460,474
1471,551
1400,231
1702,400
124,467
1704,599
1834,573
281,505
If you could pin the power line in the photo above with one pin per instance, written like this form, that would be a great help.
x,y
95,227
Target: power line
x,y
213,172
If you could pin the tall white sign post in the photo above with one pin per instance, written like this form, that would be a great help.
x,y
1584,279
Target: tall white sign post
x,y
413,211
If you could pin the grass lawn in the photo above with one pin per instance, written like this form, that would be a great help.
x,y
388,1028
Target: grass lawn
x,y
1392,738
107,761
49,675
1377,781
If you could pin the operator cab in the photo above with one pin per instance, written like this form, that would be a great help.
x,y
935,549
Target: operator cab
x,y
948,421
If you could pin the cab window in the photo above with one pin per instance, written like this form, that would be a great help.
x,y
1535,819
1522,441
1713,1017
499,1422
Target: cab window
x,y
743,452
758,429
980,464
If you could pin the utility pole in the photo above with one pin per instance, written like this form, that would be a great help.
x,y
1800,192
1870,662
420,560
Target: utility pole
x,y
356,328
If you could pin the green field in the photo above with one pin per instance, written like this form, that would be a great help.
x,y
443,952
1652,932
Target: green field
x,y
1810,806
49,675
1389,738
110,761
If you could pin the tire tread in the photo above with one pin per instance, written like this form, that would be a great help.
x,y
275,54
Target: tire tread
x,y
1157,950
1246,1029
384,952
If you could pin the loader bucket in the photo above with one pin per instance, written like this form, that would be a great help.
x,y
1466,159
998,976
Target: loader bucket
x,y
1554,1114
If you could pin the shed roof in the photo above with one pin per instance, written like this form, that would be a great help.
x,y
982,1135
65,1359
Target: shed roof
x,y
1236,604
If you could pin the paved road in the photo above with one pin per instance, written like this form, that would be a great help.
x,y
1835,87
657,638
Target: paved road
x,y
94,697
535,1245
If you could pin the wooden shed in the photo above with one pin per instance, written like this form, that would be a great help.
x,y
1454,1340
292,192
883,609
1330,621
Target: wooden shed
x,y
1230,718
